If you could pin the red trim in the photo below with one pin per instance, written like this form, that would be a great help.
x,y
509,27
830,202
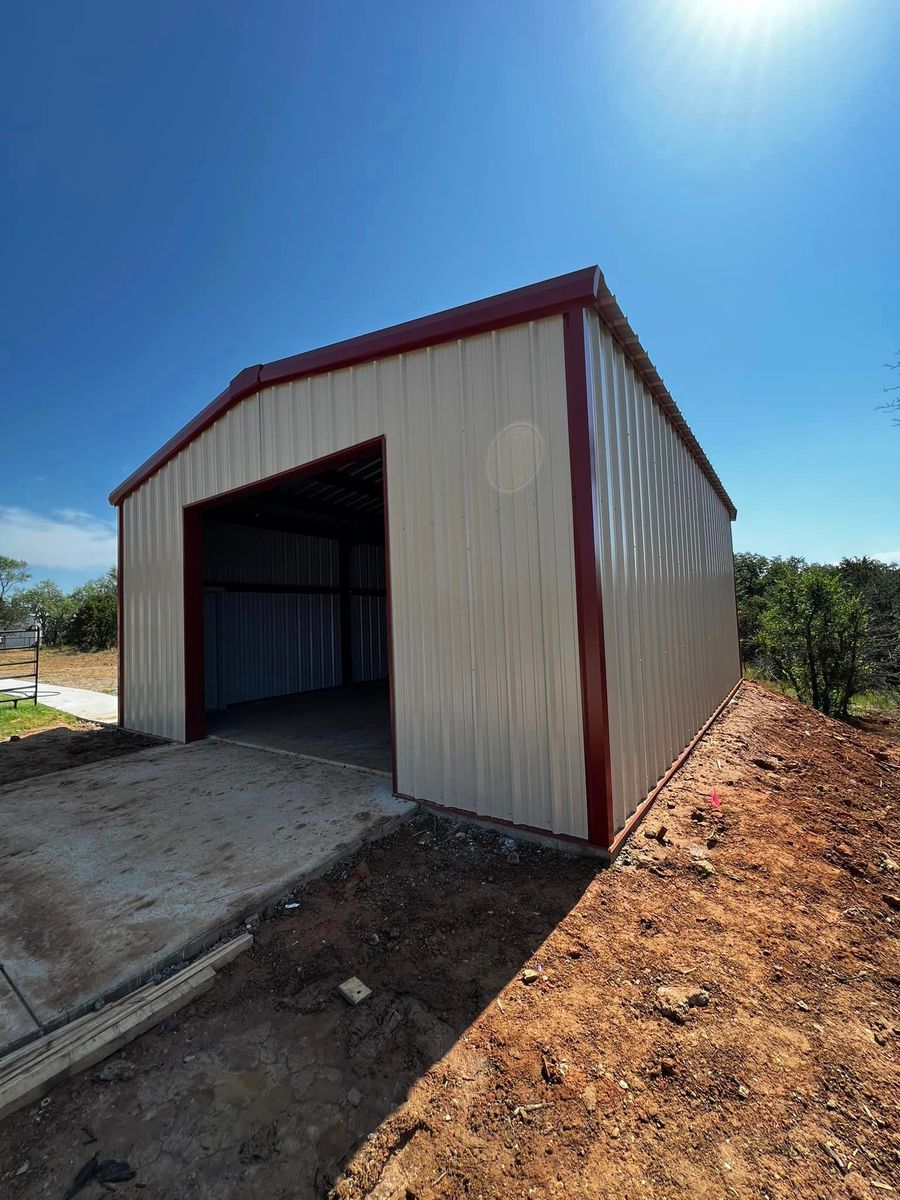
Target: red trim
x,y
194,684
194,700
589,603
646,804
315,466
388,609
510,308
586,287
120,615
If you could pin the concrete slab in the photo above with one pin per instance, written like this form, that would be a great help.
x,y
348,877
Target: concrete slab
x,y
16,1025
80,702
349,724
110,870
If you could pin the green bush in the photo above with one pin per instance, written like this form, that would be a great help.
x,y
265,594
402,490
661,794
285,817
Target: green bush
x,y
92,625
778,598
814,634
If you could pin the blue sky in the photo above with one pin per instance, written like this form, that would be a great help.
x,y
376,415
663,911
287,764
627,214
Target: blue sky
x,y
191,187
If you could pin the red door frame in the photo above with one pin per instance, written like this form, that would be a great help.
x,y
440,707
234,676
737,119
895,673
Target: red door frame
x,y
194,702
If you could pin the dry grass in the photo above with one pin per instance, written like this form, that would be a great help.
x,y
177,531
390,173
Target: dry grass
x,y
96,670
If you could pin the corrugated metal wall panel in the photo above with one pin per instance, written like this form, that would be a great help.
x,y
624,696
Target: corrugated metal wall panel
x,y
237,554
486,678
367,567
667,579
276,644
368,616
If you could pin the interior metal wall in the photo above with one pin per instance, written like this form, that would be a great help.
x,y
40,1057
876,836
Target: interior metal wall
x,y
239,554
276,644
667,578
486,687
368,614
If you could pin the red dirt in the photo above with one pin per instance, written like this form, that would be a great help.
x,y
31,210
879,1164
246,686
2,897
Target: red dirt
x,y
476,1084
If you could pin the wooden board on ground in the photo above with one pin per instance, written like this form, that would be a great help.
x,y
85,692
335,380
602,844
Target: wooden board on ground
x,y
29,1073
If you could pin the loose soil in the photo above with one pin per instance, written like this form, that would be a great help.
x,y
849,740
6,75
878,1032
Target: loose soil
x,y
63,741
96,670
60,746
458,1079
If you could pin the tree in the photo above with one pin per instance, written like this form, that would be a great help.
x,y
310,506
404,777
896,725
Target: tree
x,y
754,578
750,572
814,634
892,406
93,623
878,584
13,573
52,608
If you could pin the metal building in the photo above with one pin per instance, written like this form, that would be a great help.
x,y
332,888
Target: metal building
x,y
481,550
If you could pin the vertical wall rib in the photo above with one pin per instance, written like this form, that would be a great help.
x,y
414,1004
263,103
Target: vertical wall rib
x,y
486,690
667,579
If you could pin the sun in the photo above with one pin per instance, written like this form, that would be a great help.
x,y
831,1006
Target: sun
x,y
741,17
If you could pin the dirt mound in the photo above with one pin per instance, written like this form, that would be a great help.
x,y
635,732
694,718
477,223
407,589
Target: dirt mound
x,y
715,1016
762,883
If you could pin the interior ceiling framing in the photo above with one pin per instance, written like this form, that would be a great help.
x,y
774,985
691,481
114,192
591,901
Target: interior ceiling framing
x,y
345,502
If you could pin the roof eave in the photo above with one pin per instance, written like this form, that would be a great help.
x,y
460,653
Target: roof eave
x,y
585,288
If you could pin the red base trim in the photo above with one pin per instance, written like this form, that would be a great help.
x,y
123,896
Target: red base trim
x,y
622,836
644,807
470,815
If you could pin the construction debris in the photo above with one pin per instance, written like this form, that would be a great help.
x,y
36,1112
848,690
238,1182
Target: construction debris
x,y
29,1073
354,990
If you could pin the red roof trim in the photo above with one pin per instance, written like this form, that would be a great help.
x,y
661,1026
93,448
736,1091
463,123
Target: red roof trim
x,y
585,288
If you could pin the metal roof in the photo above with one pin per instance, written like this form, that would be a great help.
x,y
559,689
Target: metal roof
x,y
579,289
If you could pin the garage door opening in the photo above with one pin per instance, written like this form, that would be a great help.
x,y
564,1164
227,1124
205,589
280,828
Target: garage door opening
x,y
294,598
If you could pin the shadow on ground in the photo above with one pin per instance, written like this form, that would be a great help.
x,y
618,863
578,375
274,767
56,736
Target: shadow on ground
x,y
268,1084
66,746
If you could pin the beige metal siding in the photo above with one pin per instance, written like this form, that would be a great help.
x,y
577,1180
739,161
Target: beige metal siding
x,y
486,674
666,575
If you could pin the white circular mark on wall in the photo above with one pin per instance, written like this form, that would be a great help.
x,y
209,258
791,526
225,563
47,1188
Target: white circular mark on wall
x,y
515,457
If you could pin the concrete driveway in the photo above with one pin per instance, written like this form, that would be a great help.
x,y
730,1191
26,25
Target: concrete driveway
x,y
102,707
112,870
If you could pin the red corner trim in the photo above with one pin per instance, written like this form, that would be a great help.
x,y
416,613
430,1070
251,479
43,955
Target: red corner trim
x,y
589,603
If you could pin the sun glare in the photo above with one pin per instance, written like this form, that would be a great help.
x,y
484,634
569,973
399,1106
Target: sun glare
x,y
747,16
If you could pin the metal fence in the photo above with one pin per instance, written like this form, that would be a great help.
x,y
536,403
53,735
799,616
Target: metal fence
x,y
20,653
